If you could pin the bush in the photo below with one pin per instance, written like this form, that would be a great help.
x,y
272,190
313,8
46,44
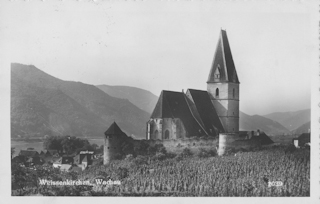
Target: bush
x,y
160,156
202,153
129,157
186,152
291,148
171,155
122,173
212,152
140,160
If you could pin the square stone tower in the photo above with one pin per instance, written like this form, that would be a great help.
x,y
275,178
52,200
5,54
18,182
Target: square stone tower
x,y
223,85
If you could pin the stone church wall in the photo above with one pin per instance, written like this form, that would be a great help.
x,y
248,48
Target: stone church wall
x,y
178,145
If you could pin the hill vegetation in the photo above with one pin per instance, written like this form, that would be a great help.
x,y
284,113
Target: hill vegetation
x,y
42,104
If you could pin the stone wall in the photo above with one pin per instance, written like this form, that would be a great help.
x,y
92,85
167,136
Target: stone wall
x,y
166,129
178,145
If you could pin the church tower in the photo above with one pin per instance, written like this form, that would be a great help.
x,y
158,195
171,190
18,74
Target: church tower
x,y
223,85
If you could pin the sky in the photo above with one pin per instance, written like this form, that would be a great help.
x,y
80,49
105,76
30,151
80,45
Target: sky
x,y
169,45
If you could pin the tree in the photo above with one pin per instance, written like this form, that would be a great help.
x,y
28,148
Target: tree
x,y
67,144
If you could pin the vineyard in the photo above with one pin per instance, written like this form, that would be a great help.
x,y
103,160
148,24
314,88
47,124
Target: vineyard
x,y
239,174
243,174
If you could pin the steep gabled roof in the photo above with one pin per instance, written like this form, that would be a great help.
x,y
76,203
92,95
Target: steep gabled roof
x,y
223,61
162,108
174,105
208,115
114,129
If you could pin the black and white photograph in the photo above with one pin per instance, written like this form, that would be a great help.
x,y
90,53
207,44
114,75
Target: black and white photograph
x,y
161,99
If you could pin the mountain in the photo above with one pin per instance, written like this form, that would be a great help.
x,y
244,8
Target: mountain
x,y
143,99
256,122
302,129
291,120
42,104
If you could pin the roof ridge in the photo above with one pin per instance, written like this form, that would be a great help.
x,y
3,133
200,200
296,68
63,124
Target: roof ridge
x,y
184,95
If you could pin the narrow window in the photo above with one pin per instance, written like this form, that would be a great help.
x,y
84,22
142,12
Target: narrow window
x,y
167,135
217,92
234,93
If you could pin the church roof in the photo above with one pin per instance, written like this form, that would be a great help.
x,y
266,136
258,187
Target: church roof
x,y
223,61
206,110
174,105
194,109
114,129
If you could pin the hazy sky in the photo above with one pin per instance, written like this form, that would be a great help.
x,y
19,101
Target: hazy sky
x,y
166,45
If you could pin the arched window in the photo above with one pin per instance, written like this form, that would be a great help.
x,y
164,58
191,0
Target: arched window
x,y
234,93
166,134
217,92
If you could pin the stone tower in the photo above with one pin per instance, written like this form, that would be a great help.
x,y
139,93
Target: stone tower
x,y
114,138
223,85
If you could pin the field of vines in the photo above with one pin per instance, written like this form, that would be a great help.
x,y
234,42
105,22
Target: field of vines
x,y
243,174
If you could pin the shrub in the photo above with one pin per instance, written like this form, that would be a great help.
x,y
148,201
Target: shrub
x,y
160,156
290,148
203,153
140,160
186,152
122,173
129,157
171,155
179,145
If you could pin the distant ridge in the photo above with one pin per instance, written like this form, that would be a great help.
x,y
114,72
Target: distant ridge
x,y
291,120
255,122
143,99
303,128
42,104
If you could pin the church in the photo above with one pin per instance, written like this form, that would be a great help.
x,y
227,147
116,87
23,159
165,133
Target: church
x,y
197,113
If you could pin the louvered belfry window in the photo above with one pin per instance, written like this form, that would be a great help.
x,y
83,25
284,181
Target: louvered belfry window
x,y
217,73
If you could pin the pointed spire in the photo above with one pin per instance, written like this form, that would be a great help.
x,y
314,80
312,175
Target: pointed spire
x,y
223,68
